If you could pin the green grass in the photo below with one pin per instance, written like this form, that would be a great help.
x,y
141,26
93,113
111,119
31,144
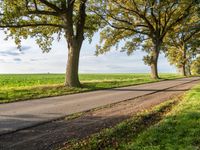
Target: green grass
x,y
179,130
15,87
154,130
124,132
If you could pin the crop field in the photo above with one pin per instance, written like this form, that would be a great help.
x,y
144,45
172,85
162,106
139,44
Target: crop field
x,y
15,87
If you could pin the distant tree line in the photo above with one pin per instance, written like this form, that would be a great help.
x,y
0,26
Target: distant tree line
x,y
153,26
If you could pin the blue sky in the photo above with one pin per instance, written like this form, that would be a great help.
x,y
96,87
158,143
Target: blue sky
x,y
32,60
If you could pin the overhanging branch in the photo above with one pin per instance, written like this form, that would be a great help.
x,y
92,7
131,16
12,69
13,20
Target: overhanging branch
x,y
30,25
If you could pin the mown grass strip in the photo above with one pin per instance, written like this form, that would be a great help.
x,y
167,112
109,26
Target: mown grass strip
x,y
124,132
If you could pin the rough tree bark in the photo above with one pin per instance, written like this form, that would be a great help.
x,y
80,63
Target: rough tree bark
x,y
183,65
74,41
72,78
183,70
154,66
189,70
154,60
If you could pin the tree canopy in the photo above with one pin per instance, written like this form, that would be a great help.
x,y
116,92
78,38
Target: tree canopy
x,y
141,23
195,67
150,25
182,43
44,19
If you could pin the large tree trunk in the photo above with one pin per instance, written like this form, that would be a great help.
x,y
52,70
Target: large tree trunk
x,y
74,34
154,66
183,70
72,78
154,61
183,67
189,70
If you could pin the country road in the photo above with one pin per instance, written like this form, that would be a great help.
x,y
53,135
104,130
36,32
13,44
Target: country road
x,y
20,115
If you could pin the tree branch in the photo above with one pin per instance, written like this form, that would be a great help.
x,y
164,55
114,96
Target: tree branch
x,y
39,12
178,20
138,13
81,22
50,5
30,25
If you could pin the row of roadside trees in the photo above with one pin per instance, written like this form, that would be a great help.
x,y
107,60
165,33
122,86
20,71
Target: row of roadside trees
x,y
154,26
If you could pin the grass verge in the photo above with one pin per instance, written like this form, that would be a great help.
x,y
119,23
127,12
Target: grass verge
x,y
153,130
178,130
32,86
112,138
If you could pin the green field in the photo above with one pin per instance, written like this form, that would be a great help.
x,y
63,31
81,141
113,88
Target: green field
x,y
179,129
15,87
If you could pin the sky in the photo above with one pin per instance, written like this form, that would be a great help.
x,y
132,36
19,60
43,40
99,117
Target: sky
x,y
31,59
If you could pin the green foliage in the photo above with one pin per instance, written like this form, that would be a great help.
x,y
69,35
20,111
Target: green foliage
x,y
140,23
182,42
195,67
17,14
22,19
44,19
30,86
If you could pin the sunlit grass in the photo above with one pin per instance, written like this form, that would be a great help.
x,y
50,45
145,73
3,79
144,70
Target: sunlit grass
x,y
179,129
124,132
30,86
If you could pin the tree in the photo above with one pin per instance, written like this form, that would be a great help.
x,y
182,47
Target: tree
x,y
182,44
42,19
195,67
141,23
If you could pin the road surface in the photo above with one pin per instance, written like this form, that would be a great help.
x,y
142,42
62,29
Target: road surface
x,y
24,114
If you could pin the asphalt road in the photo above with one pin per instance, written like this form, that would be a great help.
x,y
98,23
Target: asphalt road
x,y
21,115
